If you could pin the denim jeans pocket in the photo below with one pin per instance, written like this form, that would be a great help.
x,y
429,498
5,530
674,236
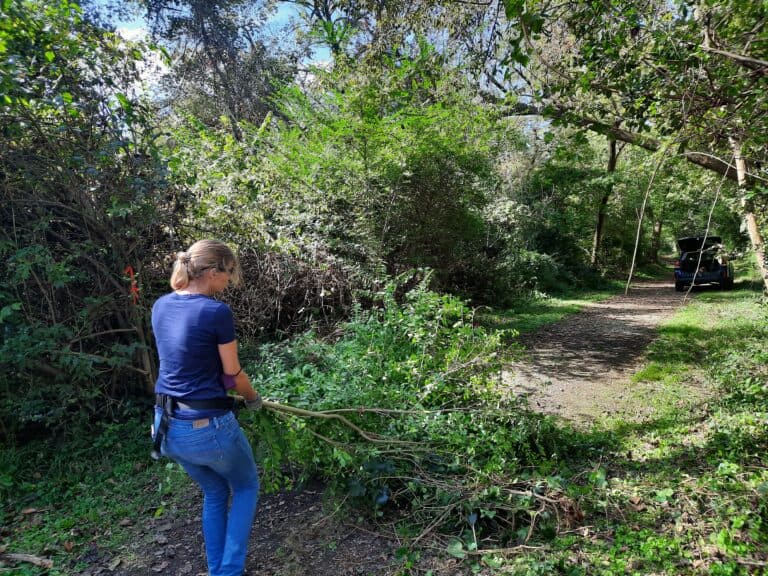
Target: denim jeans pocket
x,y
195,445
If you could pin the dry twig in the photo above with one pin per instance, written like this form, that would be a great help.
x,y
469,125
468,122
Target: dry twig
x,y
29,559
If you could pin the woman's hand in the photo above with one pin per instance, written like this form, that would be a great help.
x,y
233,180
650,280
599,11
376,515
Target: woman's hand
x,y
255,404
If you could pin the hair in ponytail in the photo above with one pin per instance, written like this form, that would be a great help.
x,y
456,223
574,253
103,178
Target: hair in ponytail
x,y
203,255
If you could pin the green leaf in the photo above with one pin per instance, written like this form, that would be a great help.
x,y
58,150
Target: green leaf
x,y
664,495
7,311
50,55
125,104
456,549
513,8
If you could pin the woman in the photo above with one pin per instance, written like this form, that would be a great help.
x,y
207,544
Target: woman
x,y
194,424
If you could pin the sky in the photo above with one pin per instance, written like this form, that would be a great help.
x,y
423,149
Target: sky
x,y
134,27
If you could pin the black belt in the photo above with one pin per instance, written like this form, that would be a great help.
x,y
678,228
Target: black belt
x,y
170,403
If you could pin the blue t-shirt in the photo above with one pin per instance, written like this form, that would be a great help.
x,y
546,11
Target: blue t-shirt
x,y
188,330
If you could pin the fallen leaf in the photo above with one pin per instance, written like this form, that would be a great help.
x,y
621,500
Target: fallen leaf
x,y
114,564
29,510
160,567
126,522
68,546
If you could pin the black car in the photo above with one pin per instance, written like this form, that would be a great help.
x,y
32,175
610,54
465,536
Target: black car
x,y
703,260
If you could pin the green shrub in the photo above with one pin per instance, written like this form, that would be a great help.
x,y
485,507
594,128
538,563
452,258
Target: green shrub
x,y
424,379
85,213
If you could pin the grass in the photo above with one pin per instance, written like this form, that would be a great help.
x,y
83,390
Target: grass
x,y
534,313
76,500
684,491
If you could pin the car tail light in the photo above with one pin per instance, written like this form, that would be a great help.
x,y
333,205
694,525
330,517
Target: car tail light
x,y
677,263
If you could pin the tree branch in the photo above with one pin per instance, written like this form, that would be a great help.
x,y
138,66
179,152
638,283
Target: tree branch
x,y
746,61
376,439
29,559
705,160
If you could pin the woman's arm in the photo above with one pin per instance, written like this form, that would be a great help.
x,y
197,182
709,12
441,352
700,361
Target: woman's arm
x,y
231,364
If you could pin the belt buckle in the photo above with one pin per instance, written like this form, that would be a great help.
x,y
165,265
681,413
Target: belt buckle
x,y
202,423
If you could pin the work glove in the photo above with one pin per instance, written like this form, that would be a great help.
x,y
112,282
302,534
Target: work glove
x,y
254,404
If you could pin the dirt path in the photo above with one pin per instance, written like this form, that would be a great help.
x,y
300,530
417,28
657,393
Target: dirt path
x,y
293,535
579,368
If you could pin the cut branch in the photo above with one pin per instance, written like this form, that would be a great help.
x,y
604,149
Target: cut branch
x,y
370,437
29,559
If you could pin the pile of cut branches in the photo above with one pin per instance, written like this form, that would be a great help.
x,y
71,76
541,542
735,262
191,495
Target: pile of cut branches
x,y
405,416
283,294
438,495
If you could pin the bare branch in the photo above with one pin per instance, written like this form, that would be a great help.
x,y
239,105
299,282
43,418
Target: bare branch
x,y
746,61
376,439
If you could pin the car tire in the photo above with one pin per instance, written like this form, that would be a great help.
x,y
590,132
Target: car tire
x,y
679,286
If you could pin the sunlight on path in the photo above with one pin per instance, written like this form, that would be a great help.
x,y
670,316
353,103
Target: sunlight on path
x,y
579,368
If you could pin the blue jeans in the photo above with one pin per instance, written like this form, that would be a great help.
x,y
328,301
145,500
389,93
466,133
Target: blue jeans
x,y
219,458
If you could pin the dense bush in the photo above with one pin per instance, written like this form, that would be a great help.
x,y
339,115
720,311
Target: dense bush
x,y
84,212
423,380
386,166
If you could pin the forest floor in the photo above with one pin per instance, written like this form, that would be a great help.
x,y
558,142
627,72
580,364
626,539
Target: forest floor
x,y
578,368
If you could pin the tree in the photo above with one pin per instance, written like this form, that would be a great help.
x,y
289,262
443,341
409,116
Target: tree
x,y
84,212
225,66
392,164
687,79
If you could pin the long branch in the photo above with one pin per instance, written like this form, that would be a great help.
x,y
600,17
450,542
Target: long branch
x,y
747,61
702,159
331,416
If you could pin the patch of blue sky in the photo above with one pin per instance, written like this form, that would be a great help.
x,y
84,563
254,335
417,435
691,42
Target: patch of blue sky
x,y
129,21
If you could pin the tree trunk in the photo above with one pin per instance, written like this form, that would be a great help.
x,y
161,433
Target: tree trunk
x,y
749,214
656,241
653,256
597,239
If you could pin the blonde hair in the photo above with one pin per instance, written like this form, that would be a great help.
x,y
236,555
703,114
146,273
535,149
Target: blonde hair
x,y
204,255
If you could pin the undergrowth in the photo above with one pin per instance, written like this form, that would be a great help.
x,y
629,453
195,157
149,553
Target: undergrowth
x,y
76,499
460,464
459,459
